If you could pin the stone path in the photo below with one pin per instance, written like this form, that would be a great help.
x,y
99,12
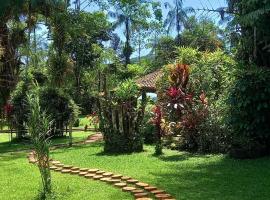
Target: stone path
x,y
140,190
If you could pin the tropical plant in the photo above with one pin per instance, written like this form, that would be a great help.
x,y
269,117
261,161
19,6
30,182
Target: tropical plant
x,y
202,34
129,14
38,125
177,16
249,113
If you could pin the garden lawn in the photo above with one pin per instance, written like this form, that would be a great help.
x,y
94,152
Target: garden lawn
x,y
186,176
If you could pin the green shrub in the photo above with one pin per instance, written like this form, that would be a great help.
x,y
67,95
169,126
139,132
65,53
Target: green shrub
x,y
58,106
249,117
127,90
148,129
188,55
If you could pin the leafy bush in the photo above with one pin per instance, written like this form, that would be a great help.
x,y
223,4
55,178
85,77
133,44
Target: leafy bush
x,y
250,113
188,55
60,107
212,73
148,129
136,70
127,90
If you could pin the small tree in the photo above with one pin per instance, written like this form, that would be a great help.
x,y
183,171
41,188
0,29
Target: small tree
x,y
38,125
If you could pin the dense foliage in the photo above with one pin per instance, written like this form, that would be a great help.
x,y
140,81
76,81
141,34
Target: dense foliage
x,y
250,113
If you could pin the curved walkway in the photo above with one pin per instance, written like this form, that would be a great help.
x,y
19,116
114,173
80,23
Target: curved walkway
x,y
140,190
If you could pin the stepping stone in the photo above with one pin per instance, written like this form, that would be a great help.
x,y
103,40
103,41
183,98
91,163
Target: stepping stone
x,y
55,162
100,172
59,165
162,196
92,170
97,177
105,179
137,191
124,178
144,198
150,188
65,171
128,189
75,168
58,169
84,169
83,173
140,184
75,172
157,191
116,176
140,195
89,175
170,199
114,181
120,185
67,166
132,181
107,174
53,168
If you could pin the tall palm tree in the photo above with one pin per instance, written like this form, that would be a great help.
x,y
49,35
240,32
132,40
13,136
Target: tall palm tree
x,y
177,16
123,19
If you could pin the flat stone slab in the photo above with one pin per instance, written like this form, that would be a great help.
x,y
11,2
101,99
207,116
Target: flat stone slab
x,y
65,171
67,166
107,174
140,184
132,181
84,169
75,168
162,196
105,179
55,162
100,172
128,189
89,175
83,173
75,172
137,191
117,176
58,169
53,168
150,188
144,198
124,178
93,170
139,195
157,191
97,177
114,181
59,165
120,185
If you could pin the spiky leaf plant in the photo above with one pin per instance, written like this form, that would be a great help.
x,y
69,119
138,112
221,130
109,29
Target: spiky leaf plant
x,y
38,125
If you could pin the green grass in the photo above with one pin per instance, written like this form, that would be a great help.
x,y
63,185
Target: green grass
x,y
186,176
7,146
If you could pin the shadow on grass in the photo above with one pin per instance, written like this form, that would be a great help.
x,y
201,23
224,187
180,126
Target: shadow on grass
x,y
181,157
215,178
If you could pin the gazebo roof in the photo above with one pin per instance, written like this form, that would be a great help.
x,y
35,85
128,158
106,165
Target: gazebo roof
x,y
148,82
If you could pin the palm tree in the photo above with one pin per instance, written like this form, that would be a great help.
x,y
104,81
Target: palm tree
x,y
125,19
177,16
